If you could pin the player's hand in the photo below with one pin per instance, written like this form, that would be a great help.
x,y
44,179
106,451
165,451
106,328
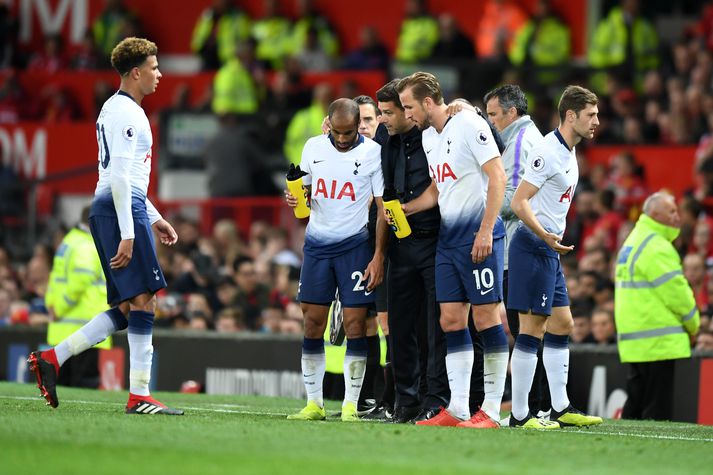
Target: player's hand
x,y
374,273
123,254
326,125
457,106
166,234
482,246
290,199
553,240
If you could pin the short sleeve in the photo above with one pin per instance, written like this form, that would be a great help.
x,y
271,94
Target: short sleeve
x,y
538,168
306,165
479,138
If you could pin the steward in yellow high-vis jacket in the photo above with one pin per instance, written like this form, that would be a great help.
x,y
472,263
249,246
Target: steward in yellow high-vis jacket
x,y
655,309
75,294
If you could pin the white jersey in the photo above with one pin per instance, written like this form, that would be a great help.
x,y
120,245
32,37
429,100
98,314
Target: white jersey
x,y
455,157
124,138
342,185
552,167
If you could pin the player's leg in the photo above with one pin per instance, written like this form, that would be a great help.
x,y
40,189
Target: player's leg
x,y
45,365
555,357
316,291
356,300
483,282
367,399
531,282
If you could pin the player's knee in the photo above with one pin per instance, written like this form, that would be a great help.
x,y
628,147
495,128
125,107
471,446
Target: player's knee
x,y
372,328
144,303
561,326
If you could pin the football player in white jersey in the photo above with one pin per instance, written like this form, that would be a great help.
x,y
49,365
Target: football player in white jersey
x,y
468,186
343,173
122,221
536,287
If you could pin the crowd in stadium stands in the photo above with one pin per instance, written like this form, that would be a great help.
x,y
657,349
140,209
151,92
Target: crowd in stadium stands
x,y
650,93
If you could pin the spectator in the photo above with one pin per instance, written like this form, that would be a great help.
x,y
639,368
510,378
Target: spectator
x,y
602,327
307,123
10,56
656,323
230,320
313,57
251,297
111,25
371,53
272,33
581,315
418,35
452,42
217,32
499,22
694,270
309,19
624,43
51,59
88,57
198,320
627,182
606,227
235,89
542,43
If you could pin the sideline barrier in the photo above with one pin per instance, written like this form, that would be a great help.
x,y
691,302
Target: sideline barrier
x,y
270,365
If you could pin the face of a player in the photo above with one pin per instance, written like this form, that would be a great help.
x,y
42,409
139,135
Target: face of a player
x,y
500,117
394,118
344,132
149,75
587,121
367,120
414,110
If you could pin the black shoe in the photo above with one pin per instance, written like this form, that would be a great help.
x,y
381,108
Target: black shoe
x,y
405,415
426,414
382,412
46,377
365,407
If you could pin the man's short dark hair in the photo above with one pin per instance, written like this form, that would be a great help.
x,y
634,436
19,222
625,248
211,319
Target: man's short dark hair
x,y
344,106
576,98
364,100
388,93
509,96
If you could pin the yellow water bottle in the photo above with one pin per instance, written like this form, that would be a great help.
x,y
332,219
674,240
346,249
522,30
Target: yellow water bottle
x,y
399,223
298,190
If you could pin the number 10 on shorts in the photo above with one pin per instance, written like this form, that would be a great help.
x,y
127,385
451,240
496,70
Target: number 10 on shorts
x,y
484,280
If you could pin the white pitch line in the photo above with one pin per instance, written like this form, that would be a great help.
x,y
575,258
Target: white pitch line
x,y
205,409
263,413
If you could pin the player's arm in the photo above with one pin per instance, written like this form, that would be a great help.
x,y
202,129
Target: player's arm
x,y
166,234
483,243
426,200
520,205
121,195
374,273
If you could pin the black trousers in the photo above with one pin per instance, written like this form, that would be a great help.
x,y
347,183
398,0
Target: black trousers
x,y
412,304
81,371
650,391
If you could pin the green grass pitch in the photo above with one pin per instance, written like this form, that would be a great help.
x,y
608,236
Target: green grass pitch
x,y
90,434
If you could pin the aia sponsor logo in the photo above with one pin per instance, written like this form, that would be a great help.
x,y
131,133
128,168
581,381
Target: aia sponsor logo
x,y
335,191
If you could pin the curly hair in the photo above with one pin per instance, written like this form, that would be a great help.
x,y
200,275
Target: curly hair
x,y
131,53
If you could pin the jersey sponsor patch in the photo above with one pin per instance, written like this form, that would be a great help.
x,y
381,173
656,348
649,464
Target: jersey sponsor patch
x,y
538,164
482,137
129,132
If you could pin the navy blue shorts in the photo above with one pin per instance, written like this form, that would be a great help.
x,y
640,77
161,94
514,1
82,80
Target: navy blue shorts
x,y
142,275
320,278
459,279
535,279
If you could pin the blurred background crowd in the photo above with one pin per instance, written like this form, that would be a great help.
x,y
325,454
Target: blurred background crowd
x,y
654,80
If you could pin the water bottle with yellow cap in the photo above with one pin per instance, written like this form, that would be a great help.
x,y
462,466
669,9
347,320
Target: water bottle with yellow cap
x,y
399,223
298,190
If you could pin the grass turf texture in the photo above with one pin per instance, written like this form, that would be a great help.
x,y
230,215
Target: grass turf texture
x,y
90,434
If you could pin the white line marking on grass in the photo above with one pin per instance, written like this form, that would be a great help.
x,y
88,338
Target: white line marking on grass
x,y
639,435
205,409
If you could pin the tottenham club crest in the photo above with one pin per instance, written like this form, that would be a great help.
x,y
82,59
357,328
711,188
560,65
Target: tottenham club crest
x,y
482,137
538,164
129,132
356,167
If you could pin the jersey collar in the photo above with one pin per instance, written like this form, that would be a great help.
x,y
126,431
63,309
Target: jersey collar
x,y
359,141
561,139
123,93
